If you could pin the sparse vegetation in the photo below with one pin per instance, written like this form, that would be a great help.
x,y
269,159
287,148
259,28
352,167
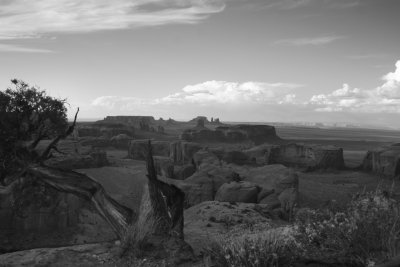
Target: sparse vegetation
x,y
364,233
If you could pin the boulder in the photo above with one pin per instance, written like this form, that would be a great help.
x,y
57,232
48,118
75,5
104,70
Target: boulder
x,y
238,192
263,176
264,193
384,161
182,152
307,156
203,185
272,201
138,149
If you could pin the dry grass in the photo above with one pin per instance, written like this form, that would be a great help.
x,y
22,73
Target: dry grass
x,y
137,235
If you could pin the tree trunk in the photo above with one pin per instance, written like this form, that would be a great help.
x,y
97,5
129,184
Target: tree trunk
x,y
167,201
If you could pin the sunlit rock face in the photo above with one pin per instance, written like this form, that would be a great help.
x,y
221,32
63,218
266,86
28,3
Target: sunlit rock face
x,y
384,161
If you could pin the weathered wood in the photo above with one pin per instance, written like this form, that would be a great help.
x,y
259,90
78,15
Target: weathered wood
x,y
166,199
117,215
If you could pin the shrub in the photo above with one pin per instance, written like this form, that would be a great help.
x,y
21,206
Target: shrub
x,y
367,230
253,247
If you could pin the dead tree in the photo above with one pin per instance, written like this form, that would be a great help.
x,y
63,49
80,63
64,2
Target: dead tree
x,y
166,200
32,166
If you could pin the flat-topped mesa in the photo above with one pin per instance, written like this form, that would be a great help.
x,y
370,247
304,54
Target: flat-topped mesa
x,y
135,120
384,161
307,156
257,133
232,133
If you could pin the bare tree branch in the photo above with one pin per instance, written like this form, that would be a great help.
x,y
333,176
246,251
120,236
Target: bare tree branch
x,y
53,144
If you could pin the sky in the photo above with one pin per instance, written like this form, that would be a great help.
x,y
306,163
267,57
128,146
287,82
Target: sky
x,y
239,60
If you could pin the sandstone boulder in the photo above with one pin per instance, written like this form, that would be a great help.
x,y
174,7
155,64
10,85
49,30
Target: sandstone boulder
x,y
263,176
264,192
238,192
272,201
203,185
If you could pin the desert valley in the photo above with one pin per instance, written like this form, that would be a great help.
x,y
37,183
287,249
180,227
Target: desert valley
x,y
238,180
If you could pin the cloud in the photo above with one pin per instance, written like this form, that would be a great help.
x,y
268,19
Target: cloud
x,y
31,19
384,98
293,4
210,93
21,49
366,56
232,93
315,41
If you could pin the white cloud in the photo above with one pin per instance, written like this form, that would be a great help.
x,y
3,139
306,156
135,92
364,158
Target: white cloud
x,y
21,49
322,40
30,19
292,4
384,98
208,94
223,92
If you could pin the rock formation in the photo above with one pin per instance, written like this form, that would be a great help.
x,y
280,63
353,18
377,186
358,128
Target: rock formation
x,y
236,133
384,161
182,152
121,141
238,192
307,156
133,120
138,149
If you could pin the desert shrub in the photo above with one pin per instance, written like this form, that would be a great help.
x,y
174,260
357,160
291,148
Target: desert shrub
x,y
255,246
367,230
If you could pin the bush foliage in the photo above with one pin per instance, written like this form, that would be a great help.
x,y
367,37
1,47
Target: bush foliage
x,y
366,232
